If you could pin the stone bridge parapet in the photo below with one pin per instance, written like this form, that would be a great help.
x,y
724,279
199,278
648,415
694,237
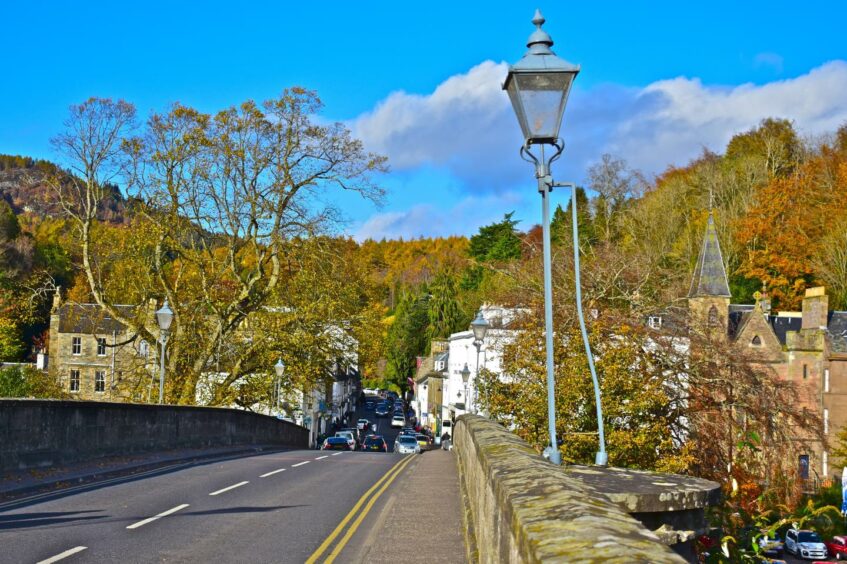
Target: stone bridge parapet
x,y
520,508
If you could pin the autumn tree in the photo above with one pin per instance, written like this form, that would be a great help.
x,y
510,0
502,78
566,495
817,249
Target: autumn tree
x,y
445,315
217,198
407,337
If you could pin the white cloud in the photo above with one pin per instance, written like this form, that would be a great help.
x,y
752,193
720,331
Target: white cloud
x,y
466,125
435,220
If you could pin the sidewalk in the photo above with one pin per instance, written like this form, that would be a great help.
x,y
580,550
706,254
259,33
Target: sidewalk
x,y
23,483
421,521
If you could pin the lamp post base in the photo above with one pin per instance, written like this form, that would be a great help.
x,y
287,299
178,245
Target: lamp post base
x,y
601,459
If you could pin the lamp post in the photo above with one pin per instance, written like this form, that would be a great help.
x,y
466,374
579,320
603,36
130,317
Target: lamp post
x,y
466,373
538,86
164,317
479,326
279,367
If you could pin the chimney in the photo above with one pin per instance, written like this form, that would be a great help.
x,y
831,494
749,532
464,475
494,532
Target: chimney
x,y
57,299
763,300
815,308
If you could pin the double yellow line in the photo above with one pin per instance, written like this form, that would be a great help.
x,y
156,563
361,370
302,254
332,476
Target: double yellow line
x,y
382,484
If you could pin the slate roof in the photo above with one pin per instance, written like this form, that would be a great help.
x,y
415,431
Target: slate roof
x,y
710,275
91,319
837,331
781,325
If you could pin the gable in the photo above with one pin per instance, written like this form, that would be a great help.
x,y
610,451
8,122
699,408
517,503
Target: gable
x,y
756,336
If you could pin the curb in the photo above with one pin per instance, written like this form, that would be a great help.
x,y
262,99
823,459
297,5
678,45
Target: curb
x,y
63,486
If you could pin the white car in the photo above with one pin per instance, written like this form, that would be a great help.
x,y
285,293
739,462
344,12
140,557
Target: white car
x,y
805,544
405,444
398,421
351,440
362,424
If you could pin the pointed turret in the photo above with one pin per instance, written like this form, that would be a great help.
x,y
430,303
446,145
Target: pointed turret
x,y
710,275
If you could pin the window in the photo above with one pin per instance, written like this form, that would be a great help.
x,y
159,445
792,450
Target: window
x,y
713,316
101,346
805,371
143,348
825,463
825,421
826,380
654,322
804,466
100,381
757,341
74,381
76,346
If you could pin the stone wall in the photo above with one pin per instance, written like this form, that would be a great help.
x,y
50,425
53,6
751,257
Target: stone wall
x,y
43,433
520,508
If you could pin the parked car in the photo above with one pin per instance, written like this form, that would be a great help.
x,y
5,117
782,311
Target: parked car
x,y
398,420
771,544
375,443
406,445
837,547
336,443
805,544
348,435
424,441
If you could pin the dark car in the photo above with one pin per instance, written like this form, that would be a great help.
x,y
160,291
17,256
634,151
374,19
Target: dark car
x,y
424,441
381,410
375,443
335,443
369,405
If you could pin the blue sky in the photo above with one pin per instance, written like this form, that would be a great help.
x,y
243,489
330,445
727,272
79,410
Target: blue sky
x,y
420,82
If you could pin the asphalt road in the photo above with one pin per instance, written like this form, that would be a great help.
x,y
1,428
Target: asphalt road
x,y
278,507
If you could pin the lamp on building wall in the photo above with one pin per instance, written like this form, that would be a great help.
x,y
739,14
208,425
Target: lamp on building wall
x,y
479,326
538,86
164,317
279,367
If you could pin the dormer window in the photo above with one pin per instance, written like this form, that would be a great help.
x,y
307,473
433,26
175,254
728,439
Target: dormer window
x,y
757,341
713,316
654,322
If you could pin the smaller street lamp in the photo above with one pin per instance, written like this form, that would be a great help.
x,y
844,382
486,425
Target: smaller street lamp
x,y
164,317
279,367
466,373
479,326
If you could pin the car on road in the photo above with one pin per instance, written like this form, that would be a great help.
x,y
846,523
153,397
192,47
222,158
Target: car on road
x,y
369,405
363,424
336,443
381,410
805,544
406,445
398,420
837,547
424,441
349,436
374,443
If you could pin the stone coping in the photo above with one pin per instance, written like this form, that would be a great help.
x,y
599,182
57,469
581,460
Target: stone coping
x,y
639,491
526,510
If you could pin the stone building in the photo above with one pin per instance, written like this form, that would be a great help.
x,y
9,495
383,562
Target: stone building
x,y
808,347
96,358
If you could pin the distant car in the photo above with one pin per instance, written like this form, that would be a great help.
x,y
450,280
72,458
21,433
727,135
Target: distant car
x,y
398,421
805,544
771,545
369,405
406,445
423,440
837,547
375,443
348,435
381,410
363,424
336,443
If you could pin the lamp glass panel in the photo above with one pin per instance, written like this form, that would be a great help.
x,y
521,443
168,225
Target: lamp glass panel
x,y
542,98
164,316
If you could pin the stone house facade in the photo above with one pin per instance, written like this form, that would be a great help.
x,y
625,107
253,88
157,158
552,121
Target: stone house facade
x,y
808,347
94,357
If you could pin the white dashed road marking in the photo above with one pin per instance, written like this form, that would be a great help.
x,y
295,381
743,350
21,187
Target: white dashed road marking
x,y
159,516
299,464
272,473
324,456
69,552
232,487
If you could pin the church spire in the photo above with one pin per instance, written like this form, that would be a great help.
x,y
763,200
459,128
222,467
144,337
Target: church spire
x,y
710,275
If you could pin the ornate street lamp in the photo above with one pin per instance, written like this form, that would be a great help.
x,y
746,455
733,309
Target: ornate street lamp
x,y
479,326
538,87
466,373
164,317
279,367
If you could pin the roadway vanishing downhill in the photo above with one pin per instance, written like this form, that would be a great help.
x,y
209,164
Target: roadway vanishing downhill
x,y
293,506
